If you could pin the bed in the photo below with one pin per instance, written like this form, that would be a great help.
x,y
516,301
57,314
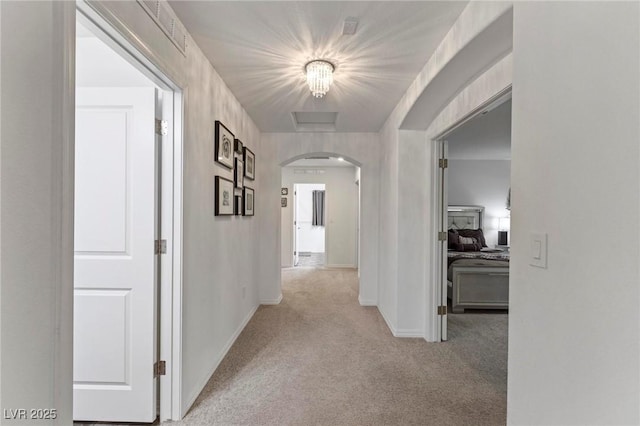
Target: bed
x,y
478,276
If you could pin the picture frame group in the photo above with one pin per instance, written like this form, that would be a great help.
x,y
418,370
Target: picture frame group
x,y
232,197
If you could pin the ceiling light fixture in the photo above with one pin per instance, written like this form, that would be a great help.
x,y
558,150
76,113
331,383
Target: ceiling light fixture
x,y
319,76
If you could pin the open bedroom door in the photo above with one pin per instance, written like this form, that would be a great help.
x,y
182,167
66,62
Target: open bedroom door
x,y
442,240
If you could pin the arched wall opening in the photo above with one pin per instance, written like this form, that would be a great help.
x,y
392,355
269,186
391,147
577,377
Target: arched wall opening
x,y
492,84
446,97
487,48
338,236
347,158
280,150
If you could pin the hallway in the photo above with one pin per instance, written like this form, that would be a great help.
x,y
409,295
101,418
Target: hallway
x,y
320,358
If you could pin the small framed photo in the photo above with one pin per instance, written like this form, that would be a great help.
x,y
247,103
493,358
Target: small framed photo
x,y
238,177
284,191
224,145
224,197
238,205
249,201
283,202
250,164
239,147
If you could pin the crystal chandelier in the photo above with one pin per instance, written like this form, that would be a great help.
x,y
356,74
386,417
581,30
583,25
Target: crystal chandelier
x,y
319,77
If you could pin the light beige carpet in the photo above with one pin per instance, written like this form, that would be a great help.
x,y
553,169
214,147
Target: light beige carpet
x,y
310,259
319,358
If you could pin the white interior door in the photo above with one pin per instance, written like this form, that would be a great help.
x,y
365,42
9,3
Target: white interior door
x,y
443,226
296,227
115,281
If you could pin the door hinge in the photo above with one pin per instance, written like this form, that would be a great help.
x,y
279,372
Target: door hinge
x,y
162,127
161,246
443,163
160,368
442,310
442,236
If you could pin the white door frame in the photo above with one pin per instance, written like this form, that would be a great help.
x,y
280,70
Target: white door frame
x,y
296,254
434,292
170,300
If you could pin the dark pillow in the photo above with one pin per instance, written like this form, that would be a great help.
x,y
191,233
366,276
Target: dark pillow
x,y
453,239
474,233
468,247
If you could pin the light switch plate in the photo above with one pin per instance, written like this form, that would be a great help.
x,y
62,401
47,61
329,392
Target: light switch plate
x,y
538,250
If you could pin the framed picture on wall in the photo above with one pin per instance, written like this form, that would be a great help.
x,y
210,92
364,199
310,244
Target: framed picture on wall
x,y
250,164
224,145
239,147
239,174
238,205
283,202
224,196
249,201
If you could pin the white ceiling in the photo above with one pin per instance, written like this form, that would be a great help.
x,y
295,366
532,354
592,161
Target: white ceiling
x,y
486,137
260,48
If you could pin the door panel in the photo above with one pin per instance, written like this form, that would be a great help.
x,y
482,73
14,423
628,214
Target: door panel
x,y
104,310
115,280
101,215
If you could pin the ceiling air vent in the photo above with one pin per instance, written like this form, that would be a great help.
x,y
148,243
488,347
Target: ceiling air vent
x,y
166,19
315,121
350,26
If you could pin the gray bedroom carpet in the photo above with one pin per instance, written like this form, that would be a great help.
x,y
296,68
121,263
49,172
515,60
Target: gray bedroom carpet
x,y
319,358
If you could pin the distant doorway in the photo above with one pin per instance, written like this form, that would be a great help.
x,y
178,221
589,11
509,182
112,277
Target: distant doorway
x,y
309,225
335,243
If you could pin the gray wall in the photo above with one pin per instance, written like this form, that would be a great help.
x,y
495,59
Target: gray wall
x,y
485,137
36,257
481,183
574,326
479,170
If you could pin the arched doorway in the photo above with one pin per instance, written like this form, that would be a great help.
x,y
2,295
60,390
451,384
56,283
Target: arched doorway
x,y
320,232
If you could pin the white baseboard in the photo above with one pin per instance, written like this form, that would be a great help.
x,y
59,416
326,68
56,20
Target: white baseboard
x,y
389,323
407,332
400,332
364,302
338,266
272,301
192,398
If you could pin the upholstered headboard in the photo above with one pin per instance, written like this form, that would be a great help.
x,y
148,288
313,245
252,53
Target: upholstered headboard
x,y
464,217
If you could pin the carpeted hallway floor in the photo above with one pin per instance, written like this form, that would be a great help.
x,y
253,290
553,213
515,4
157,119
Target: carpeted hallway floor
x,y
310,259
319,358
